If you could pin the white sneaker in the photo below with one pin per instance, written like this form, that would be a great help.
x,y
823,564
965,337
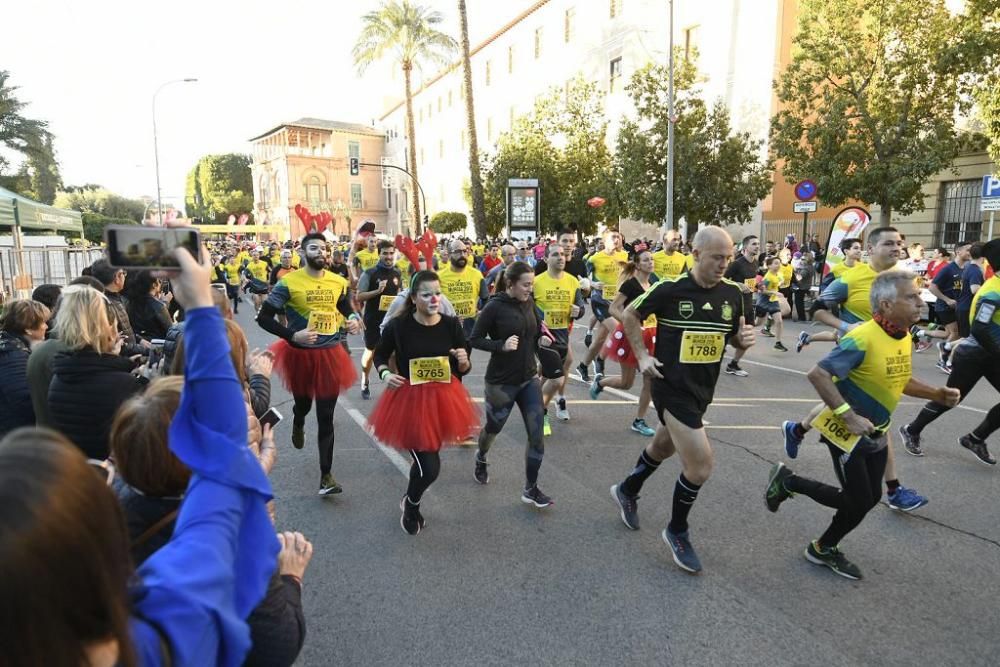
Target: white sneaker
x,y
562,413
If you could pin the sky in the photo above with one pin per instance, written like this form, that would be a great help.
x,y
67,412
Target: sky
x,y
91,67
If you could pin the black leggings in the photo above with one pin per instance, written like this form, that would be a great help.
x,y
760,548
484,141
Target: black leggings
x,y
969,364
860,476
425,469
500,400
325,408
800,305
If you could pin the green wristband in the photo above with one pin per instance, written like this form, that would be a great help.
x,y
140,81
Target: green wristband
x,y
385,372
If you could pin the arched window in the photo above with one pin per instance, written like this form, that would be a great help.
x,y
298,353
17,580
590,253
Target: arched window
x,y
265,191
315,191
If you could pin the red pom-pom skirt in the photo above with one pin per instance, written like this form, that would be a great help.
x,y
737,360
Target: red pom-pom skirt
x,y
617,348
314,372
424,417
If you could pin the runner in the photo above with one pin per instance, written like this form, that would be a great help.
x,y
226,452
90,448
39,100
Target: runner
x,y
509,330
558,297
697,314
425,406
636,279
377,287
852,250
852,292
605,267
364,259
972,281
769,304
309,358
463,285
669,262
860,382
283,268
257,273
946,288
743,270
230,268
978,356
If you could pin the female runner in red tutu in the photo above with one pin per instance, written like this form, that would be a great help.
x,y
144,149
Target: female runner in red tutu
x,y
636,278
425,406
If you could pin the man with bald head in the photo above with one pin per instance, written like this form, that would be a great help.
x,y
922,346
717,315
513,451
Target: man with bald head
x,y
507,255
669,261
463,285
697,314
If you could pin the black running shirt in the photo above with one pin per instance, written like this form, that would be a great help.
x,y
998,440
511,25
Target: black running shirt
x,y
694,325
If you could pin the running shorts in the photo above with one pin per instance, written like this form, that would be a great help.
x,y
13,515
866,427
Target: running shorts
x,y
945,316
683,407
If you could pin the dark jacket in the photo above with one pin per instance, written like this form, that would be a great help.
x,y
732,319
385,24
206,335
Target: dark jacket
x,y
40,377
149,317
132,345
501,318
15,398
87,389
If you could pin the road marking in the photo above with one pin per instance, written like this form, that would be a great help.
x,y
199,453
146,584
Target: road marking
x,y
746,428
395,457
584,401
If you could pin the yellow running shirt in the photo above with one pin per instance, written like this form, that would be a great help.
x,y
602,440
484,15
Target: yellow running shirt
x,y
555,298
461,288
771,281
607,269
366,258
258,269
671,266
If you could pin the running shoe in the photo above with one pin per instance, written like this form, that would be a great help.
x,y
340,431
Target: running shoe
x,y
598,366
546,425
534,496
480,474
595,387
298,436
628,507
328,485
779,346
977,447
588,339
733,368
776,492
766,333
792,441
683,552
584,373
943,353
922,344
642,428
944,367
906,500
366,393
834,559
802,341
910,442
562,414
410,519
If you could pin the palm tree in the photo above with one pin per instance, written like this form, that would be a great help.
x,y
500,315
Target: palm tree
x,y
20,134
475,178
407,33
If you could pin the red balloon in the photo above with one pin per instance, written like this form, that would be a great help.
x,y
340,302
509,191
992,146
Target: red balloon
x,y
596,202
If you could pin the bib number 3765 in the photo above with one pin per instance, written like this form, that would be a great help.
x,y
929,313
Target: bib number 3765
x,y
429,369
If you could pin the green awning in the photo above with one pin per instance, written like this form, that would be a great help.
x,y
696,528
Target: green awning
x,y
28,214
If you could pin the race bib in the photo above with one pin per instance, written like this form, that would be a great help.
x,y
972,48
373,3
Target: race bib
x,y
556,320
751,283
429,369
833,428
702,347
325,324
385,301
465,308
649,322
609,292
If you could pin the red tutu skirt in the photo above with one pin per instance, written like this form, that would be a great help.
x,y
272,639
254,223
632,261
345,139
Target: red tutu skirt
x,y
424,417
617,348
314,372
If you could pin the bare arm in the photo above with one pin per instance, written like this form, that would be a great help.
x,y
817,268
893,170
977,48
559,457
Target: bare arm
x,y
827,390
949,396
617,307
936,291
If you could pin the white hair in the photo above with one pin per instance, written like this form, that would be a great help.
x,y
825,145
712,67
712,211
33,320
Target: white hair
x,y
886,286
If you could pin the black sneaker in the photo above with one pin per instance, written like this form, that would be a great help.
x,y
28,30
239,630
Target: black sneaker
x,y
410,519
366,393
733,368
910,442
588,339
834,559
781,348
534,496
776,492
328,485
628,506
683,552
599,366
977,447
480,474
298,436
584,373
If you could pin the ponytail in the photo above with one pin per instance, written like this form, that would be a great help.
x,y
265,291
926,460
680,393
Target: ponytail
x,y
512,274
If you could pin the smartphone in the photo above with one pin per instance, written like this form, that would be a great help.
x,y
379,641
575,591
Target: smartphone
x,y
272,417
142,247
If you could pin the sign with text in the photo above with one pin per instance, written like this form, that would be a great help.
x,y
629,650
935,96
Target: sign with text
x,y
523,204
991,187
804,207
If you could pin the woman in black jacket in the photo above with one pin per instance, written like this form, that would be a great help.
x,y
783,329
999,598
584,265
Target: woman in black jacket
x,y
509,330
91,380
24,323
149,316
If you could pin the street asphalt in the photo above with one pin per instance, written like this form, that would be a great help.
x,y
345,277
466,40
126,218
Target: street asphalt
x,y
491,581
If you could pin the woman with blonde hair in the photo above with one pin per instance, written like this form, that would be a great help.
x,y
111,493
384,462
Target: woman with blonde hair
x,y
91,380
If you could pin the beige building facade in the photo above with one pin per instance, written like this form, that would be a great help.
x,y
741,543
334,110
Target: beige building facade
x,y
307,162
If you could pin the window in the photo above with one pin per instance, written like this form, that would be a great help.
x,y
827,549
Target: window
x,y
616,8
265,191
690,41
615,74
510,60
354,149
568,22
959,217
315,191
356,201
388,198
538,43
489,66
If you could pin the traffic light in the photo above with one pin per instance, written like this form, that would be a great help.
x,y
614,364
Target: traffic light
x,y
354,166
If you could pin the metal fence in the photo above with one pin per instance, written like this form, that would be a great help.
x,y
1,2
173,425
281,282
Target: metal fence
x,y
777,230
55,266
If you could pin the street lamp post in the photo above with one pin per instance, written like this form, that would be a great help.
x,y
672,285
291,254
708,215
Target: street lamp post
x,y
669,221
156,148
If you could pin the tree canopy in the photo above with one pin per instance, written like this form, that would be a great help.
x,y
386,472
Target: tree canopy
x,y
219,186
447,222
96,199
